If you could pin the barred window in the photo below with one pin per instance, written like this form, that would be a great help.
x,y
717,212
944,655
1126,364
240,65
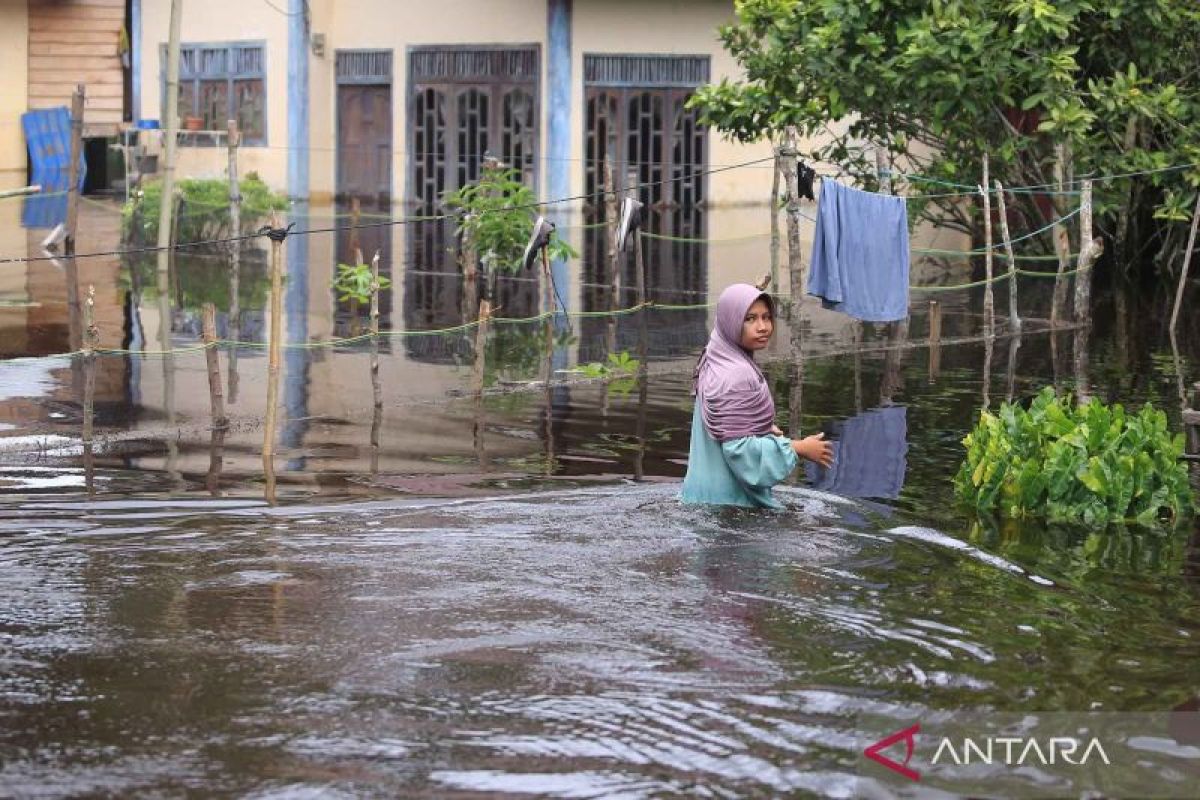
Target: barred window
x,y
220,82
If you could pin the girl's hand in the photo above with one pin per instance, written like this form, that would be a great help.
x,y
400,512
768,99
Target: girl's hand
x,y
775,431
815,449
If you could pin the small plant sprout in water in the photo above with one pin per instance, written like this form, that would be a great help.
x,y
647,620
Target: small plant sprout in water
x,y
353,282
619,367
1092,464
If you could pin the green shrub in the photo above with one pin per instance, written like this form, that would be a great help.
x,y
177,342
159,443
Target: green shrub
x,y
204,214
1091,463
498,217
353,282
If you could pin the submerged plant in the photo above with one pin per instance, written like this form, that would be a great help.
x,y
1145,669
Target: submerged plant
x,y
1088,463
353,282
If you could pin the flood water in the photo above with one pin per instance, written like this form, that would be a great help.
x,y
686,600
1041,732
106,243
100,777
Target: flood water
x,y
479,595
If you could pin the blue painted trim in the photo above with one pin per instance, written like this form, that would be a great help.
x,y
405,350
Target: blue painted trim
x,y
135,54
297,361
558,164
298,100
558,74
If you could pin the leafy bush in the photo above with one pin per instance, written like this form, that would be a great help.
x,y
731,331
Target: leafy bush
x,y
1091,463
205,211
498,217
353,282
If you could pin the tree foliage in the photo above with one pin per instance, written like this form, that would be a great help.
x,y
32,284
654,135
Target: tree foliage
x,y
938,83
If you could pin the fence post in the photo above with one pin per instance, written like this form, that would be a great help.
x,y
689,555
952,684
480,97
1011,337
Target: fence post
x,y
1062,237
235,255
1014,318
477,376
989,303
935,340
611,224
275,346
213,358
376,386
91,339
1090,251
775,169
795,265
71,266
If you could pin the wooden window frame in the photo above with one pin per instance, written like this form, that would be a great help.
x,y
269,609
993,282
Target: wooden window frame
x,y
188,75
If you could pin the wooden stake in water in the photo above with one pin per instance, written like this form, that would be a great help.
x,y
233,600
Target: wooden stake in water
x,y
989,303
235,255
1014,318
611,224
71,266
213,358
1090,251
477,381
1062,237
935,340
91,340
275,347
376,385
1187,262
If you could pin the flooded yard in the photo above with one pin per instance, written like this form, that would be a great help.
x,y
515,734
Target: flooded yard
x,y
478,594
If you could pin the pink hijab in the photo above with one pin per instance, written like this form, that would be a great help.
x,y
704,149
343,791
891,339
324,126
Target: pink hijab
x,y
734,398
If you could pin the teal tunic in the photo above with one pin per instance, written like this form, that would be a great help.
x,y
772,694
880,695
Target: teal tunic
x,y
739,472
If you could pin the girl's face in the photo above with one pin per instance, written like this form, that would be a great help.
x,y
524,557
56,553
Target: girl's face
x,y
757,326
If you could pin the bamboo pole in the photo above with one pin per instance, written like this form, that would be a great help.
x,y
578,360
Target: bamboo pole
x,y
1090,251
935,340
1187,262
1014,318
170,132
640,261
173,257
477,381
213,359
989,303
72,266
795,264
275,346
24,190
1062,237
989,343
611,224
235,255
775,170
91,340
376,386
216,447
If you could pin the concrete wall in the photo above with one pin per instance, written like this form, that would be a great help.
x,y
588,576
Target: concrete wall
x,y
212,22
597,26
14,91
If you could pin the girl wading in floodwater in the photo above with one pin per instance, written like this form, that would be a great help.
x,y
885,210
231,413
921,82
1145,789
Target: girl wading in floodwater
x,y
737,453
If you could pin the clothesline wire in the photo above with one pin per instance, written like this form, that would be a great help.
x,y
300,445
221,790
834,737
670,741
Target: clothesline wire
x,y
387,223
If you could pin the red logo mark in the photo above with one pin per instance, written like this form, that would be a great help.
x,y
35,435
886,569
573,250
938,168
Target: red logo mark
x,y
873,752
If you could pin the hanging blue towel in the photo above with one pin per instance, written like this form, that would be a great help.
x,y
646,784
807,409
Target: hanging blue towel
x,y
860,253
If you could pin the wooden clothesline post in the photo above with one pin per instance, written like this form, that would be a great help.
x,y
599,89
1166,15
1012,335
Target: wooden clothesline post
x,y
1090,251
1014,318
989,303
235,254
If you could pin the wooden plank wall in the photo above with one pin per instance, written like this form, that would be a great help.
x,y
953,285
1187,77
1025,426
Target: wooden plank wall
x,y
76,41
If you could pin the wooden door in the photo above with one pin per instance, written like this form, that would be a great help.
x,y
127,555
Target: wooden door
x,y
364,144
